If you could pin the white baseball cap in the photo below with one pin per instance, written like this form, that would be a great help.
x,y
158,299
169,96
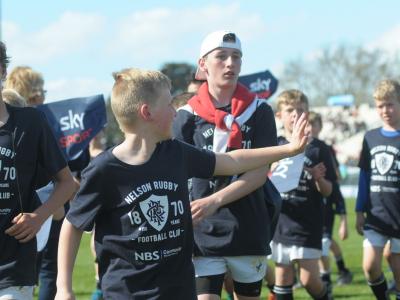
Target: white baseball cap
x,y
217,39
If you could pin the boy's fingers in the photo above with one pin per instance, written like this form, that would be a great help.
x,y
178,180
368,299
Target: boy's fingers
x,y
15,229
27,238
23,235
17,218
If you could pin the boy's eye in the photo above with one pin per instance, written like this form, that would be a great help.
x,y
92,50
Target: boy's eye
x,y
236,57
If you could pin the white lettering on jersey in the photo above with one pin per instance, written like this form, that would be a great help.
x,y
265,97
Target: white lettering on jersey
x,y
138,191
209,132
165,185
147,256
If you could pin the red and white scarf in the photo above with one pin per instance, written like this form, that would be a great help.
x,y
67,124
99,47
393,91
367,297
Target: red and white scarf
x,y
227,133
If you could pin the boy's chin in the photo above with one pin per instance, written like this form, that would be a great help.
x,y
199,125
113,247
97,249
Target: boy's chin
x,y
166,137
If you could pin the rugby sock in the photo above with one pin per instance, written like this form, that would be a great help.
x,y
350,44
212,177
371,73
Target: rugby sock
x,y
397,295
379,288
326,278
323,296
271,288
340,263
98,284
283,292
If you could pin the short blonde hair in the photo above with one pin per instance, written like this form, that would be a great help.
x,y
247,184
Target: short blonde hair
x,y
132,88
314,118
13,98
387,89
291,97
25,81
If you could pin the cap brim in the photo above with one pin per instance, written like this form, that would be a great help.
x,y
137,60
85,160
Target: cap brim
x,y
200,75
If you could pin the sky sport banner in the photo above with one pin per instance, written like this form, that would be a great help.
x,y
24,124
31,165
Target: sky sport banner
x,y
287,174
75,122
264,84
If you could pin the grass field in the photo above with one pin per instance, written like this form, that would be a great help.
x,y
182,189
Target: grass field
x,y
352,248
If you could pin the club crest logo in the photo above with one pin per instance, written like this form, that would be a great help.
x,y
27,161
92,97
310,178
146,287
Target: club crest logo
x,y
155,209
383,162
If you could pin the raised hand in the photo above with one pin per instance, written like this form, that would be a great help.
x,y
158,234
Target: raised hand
x,y
299,136
318,171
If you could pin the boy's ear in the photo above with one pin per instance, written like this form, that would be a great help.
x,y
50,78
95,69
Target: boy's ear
x,y
278,114
202,64
144,112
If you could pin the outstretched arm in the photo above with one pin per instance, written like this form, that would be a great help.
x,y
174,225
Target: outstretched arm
x,y
68,246
240,161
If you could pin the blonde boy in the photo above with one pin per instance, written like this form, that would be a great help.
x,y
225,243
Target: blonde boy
x,y
28,83
378,200
136,195
299,231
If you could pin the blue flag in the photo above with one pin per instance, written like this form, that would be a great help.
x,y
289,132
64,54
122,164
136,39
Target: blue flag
x,y
75,122
264,84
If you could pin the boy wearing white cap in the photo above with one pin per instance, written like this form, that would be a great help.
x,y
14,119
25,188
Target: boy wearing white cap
x,y
230,213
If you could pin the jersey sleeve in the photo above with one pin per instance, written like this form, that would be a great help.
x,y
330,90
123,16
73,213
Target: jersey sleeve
x,y
265,130
183,126
89,199
362,201
200,163
327,159
365,157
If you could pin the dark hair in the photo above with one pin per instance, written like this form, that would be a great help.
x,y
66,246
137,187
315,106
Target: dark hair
x,y
4,59
192,79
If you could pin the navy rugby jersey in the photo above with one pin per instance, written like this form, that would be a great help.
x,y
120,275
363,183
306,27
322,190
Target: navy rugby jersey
x,y
241,227
380,157
27,147
301,220
142,219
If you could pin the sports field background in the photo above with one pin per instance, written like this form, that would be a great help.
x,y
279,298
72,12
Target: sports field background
x,y
352,248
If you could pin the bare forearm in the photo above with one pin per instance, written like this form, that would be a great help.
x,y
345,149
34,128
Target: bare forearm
x,y
243,160
67,250
64,188
244,185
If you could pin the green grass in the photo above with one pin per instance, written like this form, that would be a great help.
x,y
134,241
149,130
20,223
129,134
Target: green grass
x,y
352,248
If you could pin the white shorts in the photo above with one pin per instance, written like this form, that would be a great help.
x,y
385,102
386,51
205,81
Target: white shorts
x,y
375,239
326,245
17,293
286,254
244,269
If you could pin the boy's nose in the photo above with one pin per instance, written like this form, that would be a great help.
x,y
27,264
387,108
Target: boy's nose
x,y
229,60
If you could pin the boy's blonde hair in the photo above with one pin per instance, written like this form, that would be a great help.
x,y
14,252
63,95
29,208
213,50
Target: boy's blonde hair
x,y
387,89
132,88
25,81
13,98
291,97
314,118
